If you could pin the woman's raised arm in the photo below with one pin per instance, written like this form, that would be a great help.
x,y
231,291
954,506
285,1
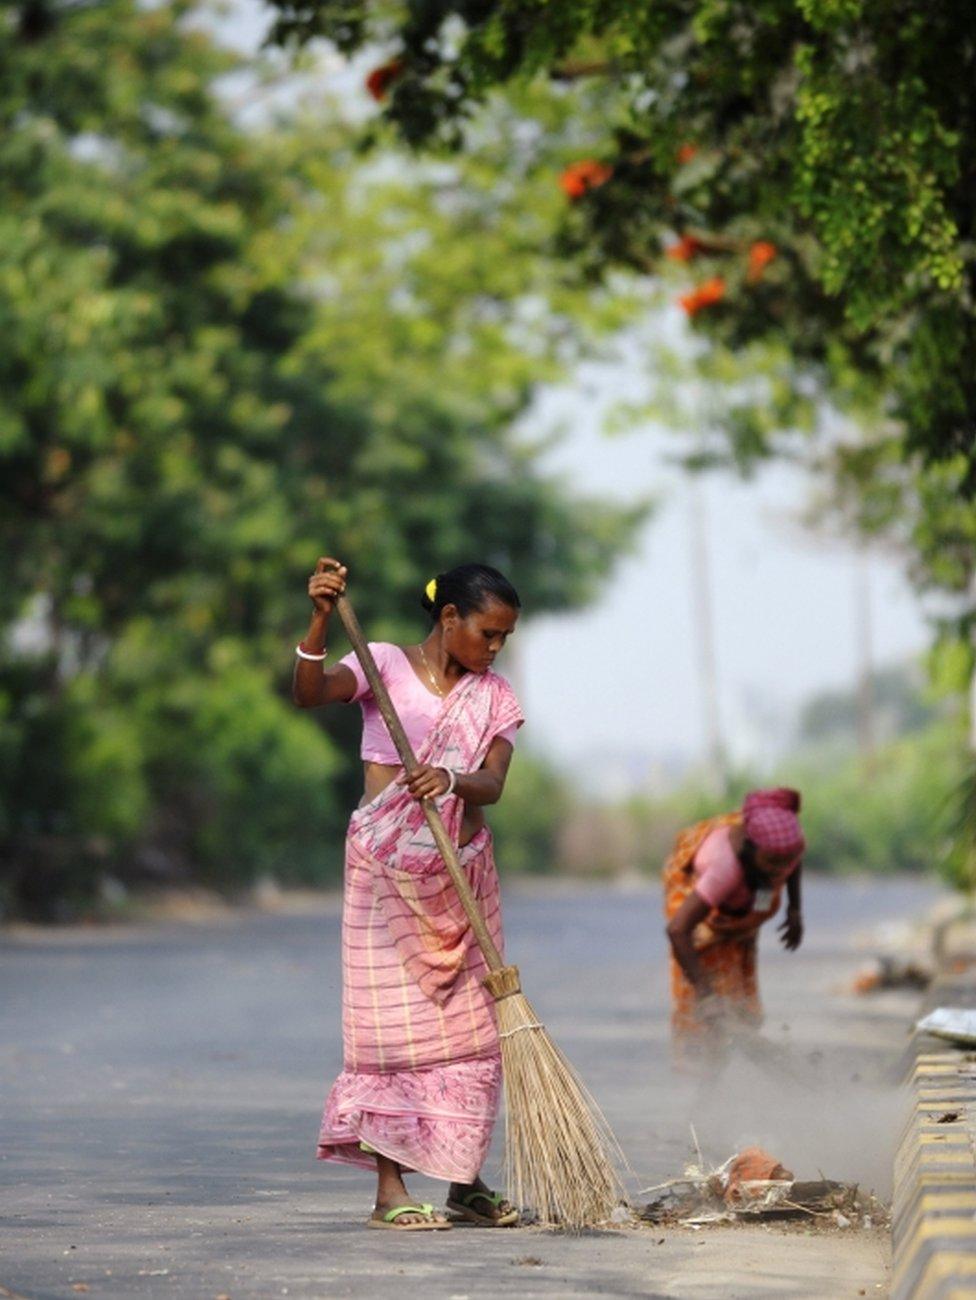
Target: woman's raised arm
x,y
313,684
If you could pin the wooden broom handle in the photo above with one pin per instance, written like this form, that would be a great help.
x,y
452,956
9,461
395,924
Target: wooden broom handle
x,y
381,695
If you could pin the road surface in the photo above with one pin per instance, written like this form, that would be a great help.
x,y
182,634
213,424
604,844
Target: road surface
x,y
161,1090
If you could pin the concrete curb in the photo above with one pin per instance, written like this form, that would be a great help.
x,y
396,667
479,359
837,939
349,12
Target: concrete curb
x,y
934,1210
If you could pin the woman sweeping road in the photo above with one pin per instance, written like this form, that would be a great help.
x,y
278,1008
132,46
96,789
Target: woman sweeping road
x,y
420,1086
723,881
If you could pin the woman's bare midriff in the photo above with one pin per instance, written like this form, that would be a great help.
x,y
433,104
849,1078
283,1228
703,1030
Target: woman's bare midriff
x,y
377,776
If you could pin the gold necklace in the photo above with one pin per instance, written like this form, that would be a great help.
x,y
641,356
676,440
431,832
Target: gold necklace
x,y
433,680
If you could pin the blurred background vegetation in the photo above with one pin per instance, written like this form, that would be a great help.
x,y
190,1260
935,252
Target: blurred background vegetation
x,y
229,347
227,351
892,810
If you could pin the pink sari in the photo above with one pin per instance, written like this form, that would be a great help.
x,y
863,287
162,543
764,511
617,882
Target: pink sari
x,y
422,1068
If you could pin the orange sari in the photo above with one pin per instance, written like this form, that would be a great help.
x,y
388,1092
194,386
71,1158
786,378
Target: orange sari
x,y
725,944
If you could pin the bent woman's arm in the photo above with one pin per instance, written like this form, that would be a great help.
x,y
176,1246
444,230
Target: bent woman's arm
x,y
680,930
486,785
479,788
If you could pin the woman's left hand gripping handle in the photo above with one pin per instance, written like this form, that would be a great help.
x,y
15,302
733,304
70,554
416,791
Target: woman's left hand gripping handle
x,y
425,782
326,583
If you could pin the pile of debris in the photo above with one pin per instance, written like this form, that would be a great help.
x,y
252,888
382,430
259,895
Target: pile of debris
x,y
753,1184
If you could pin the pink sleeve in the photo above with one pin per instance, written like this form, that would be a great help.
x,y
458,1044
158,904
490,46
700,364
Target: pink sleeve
x,y
718,873
352,663
508,733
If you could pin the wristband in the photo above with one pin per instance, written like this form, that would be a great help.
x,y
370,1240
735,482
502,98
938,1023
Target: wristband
x,y
306,654
452,777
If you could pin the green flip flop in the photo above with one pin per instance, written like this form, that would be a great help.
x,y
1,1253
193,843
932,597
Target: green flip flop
x,y
389,1219
464,1208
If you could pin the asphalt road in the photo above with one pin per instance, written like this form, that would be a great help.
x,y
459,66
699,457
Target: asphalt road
x,y
161,1090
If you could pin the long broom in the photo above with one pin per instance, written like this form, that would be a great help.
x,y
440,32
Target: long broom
x,y
559,1149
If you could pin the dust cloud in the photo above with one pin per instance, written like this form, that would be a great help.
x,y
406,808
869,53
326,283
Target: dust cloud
x,y
820,1112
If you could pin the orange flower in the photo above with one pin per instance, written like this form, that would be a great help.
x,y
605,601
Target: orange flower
x,y
686,152
760,255
580,177
380,79
706,295
685,249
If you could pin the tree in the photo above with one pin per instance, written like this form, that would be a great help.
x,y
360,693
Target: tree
x,y
807,165
210,373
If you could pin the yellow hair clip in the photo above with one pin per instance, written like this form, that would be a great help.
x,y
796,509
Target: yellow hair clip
x,y
431,590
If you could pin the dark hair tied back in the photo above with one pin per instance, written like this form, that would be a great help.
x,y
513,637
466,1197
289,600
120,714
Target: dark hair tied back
x,y
470,587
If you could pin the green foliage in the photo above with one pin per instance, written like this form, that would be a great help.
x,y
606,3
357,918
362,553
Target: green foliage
x,y
902,808
959,863
225,354
104,753
900,819
847,121
899,706
838,134
254,782
526,821
904,815
893,815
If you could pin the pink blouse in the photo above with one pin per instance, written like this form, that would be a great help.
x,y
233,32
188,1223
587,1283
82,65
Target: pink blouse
x,y
417,706
719,878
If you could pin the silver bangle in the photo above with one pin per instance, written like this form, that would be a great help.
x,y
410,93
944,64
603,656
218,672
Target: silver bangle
x,y
452,777
304,654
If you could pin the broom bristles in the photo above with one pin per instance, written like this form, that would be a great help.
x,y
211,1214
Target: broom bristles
x,y
559,1150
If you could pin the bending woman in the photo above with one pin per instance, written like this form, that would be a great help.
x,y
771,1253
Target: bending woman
x,y
422,1071
723,881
